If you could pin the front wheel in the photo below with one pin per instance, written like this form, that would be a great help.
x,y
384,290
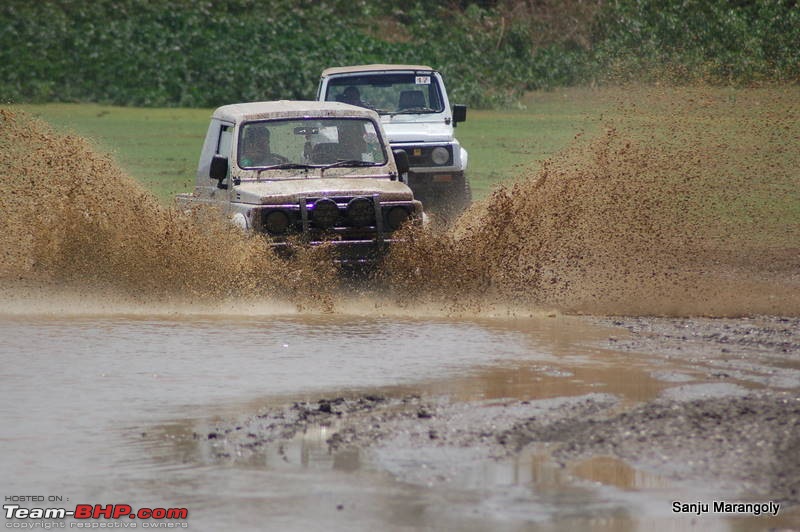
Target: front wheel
x,y
445,200
454,200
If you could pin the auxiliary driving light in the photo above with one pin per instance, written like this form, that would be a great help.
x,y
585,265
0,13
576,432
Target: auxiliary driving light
x,y
440,155
276,222
325,212
395,217
360,211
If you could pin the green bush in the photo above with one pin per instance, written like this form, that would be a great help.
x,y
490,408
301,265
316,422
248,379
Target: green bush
x,y
173,53
718,41
207,53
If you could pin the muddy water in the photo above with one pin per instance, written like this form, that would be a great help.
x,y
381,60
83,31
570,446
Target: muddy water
x,y
127,328
101,409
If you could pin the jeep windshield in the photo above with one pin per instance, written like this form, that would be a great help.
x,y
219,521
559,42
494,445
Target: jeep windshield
x,y
309,143
389,93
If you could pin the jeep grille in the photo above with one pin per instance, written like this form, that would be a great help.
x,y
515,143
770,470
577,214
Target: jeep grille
x,y
336,217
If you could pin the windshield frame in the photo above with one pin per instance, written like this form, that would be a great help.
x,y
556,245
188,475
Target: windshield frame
x,y
388,102
372,148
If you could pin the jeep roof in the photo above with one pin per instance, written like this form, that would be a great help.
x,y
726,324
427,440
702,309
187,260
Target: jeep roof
x,y
288,109
373,68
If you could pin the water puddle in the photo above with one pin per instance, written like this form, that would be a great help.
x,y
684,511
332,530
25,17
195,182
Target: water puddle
x,y
157,378
165,382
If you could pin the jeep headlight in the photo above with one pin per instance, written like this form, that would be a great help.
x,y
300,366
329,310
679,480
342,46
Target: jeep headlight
x,y
276,222
396,216
360,211
325,212
440,155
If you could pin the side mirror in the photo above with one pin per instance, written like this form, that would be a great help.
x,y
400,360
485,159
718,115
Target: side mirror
x,y
401,160
459,113
219,170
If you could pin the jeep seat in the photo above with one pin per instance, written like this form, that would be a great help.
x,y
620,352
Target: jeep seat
x,y
411,100
324,153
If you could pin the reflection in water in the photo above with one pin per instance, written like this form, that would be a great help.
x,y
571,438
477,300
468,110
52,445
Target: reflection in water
x,y
606,373
119,408
614,472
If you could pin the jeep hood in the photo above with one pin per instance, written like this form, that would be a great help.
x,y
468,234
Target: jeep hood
x,y
285,191
417,128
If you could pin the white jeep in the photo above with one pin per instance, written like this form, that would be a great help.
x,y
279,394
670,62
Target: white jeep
x,y
320,171
416,113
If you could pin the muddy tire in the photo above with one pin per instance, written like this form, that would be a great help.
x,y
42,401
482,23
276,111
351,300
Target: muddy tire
x,y
443,200
467,194
451,205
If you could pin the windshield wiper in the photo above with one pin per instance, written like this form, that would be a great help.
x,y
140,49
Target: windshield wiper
x,y
348,162
345,162
413,111
286,166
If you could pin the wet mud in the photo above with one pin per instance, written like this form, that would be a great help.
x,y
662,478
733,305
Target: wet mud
x,y
725,430
683,206
75,225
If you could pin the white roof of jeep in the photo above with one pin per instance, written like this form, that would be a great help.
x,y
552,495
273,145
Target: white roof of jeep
x,y
240,112
373,68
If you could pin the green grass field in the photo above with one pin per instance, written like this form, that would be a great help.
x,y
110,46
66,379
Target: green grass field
x,y
160,147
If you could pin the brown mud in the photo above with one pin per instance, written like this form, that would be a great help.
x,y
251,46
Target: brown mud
x,y
74,224
685,204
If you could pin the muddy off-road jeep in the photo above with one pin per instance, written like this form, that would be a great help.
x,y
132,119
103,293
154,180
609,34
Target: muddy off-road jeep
x,y
412,103
315,171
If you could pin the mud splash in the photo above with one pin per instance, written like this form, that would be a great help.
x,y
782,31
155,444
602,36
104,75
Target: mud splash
x,y
686,203
74,224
